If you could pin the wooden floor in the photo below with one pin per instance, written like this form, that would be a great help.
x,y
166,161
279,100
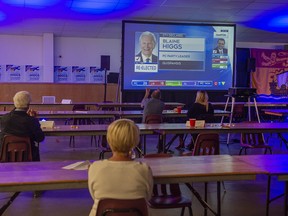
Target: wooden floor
x,y
241,197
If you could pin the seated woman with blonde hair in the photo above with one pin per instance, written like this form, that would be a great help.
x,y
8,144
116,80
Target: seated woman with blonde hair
x,y
201,109
120,177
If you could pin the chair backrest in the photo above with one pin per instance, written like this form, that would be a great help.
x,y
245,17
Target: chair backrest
x,y
122,207
206,144
16,149
153,119
254,139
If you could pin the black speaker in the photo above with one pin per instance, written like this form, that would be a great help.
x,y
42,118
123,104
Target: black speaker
x,y
251,65
112,77
105,62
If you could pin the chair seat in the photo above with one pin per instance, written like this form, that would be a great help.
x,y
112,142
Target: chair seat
x,y
168,201
246,145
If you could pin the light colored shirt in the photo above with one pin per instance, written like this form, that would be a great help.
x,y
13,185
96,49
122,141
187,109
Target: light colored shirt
x,y
119,180
147,59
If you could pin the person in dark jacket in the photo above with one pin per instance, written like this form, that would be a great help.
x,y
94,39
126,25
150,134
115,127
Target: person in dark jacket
x,y
22,121
201,109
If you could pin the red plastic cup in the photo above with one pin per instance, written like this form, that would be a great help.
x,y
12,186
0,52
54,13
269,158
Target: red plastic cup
x,y
179,109
192,122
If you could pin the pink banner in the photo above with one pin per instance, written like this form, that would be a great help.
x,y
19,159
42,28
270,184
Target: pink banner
x,y
271,74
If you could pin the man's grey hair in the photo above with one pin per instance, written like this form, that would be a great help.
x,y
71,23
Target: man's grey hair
x,y
22,99
147,33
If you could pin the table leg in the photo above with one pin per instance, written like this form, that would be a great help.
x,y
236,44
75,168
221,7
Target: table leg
x,y
4,207
270,200
286,199
205,197
202,202
161,142
168,145
268,195
218,198
283,139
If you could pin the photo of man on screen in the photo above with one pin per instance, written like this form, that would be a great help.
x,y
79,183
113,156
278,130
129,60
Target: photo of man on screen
x,y
147,43
220,49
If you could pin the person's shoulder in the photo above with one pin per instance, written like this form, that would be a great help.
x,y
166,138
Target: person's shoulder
x,y
6,115
98,163
14,113
196,104
142,165
100,166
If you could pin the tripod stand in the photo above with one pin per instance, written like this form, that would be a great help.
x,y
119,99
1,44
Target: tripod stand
x,y
232,97
105,85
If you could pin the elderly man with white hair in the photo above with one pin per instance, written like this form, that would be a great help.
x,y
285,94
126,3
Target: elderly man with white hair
x,y
21,121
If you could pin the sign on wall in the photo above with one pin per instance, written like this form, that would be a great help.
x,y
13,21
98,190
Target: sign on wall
x,y
78,74
33,73
2,73
62,74
21,73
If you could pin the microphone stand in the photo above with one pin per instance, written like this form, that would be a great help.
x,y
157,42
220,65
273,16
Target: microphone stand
x,y
105,84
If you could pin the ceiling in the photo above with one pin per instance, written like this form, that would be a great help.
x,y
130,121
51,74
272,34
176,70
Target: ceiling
x,y
257,20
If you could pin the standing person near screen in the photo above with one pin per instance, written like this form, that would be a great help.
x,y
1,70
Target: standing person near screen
x,y
220,49
147,42
153,104
120,177
22,121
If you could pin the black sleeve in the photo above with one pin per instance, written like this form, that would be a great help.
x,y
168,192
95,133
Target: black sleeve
x,y
210,109
191,112
38,134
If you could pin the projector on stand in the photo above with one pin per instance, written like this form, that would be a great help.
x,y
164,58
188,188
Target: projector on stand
x,y
241,92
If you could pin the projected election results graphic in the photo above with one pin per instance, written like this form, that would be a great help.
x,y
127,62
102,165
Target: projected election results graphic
x,y
178,52
181,56
219,61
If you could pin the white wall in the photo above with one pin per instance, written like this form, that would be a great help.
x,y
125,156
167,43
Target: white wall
x,y
20,50
70,51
